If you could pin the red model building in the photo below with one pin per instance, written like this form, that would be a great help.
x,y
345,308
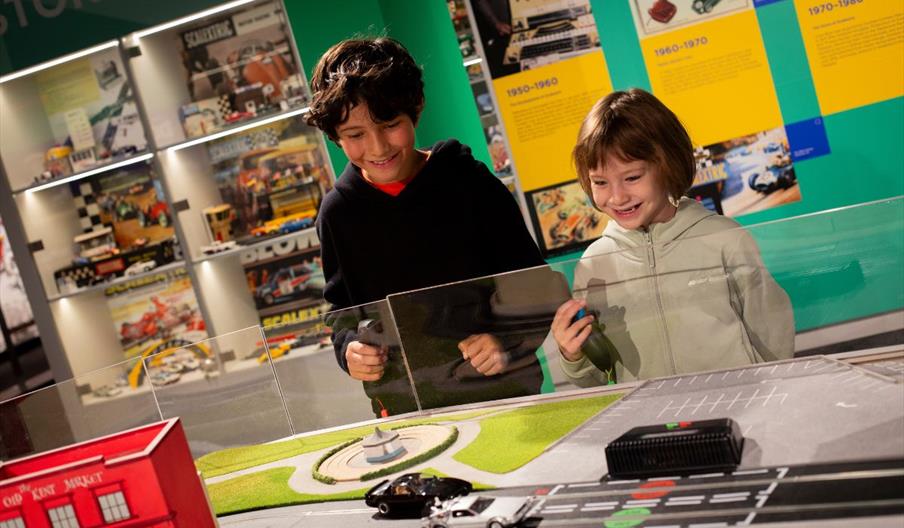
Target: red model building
x,y
142,477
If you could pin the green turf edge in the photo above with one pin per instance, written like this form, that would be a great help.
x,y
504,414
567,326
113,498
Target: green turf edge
x,y
265,489
532,429
233,459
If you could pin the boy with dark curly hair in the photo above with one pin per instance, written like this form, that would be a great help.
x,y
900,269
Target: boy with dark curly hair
x,y
402,218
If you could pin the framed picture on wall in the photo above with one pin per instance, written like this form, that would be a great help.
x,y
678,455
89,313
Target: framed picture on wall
x,y
564,218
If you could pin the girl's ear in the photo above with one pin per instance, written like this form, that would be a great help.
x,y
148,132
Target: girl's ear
x,y
673,201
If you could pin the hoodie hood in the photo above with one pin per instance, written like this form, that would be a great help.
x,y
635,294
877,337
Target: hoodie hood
x,y
689,214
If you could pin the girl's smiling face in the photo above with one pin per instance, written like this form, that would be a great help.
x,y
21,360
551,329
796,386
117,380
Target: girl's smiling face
x,y
384,151
630,192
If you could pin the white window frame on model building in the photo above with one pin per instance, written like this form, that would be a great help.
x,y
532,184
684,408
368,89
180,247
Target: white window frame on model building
x,y
114,506
15,522
63,517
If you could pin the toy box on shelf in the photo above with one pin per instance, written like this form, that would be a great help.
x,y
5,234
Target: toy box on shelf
x,y
286,281
238,67
126,221
272,177
157,307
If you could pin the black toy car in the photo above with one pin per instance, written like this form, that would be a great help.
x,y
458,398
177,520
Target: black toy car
x,y
413,492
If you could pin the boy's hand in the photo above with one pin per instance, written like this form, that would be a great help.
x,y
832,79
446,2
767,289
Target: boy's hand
x,y
485,353
365,362
570,336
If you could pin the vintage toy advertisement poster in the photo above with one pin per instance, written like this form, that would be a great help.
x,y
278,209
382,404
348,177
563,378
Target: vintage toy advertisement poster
x,y
14,307
286,280
564,219
273,178
241,50
129,200
155,308
746,174
91,109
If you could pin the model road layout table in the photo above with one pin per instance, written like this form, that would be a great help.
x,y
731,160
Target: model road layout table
x,y
824,444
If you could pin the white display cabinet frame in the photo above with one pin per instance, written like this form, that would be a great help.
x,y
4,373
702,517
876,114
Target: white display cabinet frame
x,y
42,220
159,74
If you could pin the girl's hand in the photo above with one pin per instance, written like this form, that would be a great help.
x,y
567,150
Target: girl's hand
x,y
571,336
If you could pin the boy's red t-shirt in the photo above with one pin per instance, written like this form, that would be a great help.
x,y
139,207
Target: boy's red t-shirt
x,y
392,188
396,187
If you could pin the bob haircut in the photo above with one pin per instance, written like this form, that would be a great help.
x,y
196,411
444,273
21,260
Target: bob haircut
x,y
378,72
634,125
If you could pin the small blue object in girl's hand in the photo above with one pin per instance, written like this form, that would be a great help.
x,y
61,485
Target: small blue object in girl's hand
x,y
581,313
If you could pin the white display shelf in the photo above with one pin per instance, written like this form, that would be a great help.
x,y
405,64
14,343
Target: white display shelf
x,y
237,128
239,249
112,165
119,280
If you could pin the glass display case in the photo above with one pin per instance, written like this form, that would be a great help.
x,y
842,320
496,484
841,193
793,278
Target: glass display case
x,y
167,183
217,72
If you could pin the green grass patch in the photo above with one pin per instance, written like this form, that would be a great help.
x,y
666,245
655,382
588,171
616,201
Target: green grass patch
x,y
509,440
266,489
238,458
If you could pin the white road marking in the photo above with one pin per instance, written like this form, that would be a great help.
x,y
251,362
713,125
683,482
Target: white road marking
x,y
597,508
623,481
713,409
735,494
707,378
697,408
738,395
600,504
752,398
691,382
769,396
707,475
751,472
555,489
652,479
642,502
584,485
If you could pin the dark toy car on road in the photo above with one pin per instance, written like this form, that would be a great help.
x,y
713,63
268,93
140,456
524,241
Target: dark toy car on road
x,y
412,492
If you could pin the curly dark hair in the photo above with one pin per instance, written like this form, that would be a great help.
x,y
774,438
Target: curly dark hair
x,y
376,71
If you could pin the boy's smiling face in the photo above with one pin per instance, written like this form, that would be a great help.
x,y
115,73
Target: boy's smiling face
x,y
630,192
384,151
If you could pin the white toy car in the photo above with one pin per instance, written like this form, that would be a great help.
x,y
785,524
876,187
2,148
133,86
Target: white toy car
x,y
218,247
481,510
140,267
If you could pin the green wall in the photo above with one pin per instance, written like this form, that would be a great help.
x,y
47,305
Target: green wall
x,y
427,32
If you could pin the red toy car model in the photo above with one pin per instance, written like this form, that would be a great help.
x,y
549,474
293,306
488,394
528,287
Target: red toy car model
x,y
662,11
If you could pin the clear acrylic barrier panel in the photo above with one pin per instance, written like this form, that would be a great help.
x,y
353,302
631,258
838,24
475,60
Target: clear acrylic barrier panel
x,y
223,389
478,340
836,267
91,405
319,393
732,297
